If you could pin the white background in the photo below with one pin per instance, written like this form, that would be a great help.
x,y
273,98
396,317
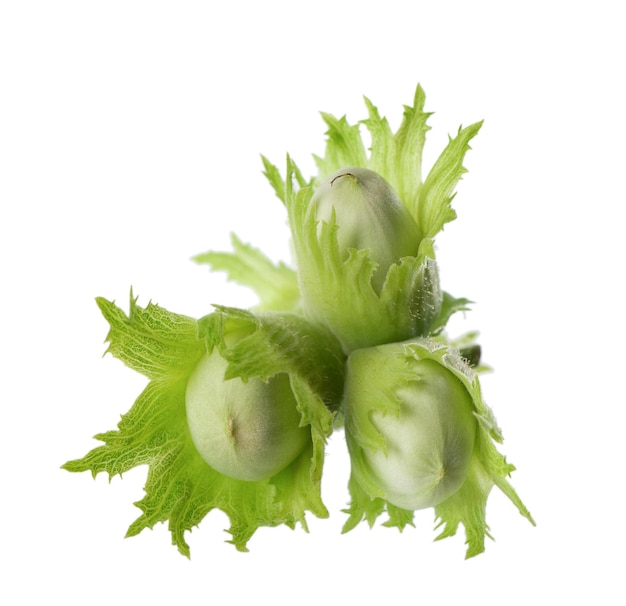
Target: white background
x,y
130,135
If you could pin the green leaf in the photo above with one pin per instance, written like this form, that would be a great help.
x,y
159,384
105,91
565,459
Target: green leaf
x,y
275,284
181,488
449,306
434,208
398,157
383,149
265,344
362,507
468,505
274,177
410,139
344,146
152,341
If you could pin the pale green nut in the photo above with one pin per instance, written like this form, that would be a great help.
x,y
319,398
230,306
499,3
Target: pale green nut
x,y
247,431
369,214
425,417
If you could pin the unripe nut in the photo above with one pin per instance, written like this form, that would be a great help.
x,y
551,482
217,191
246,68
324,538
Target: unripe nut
x,y
369,214
429,442
247,431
